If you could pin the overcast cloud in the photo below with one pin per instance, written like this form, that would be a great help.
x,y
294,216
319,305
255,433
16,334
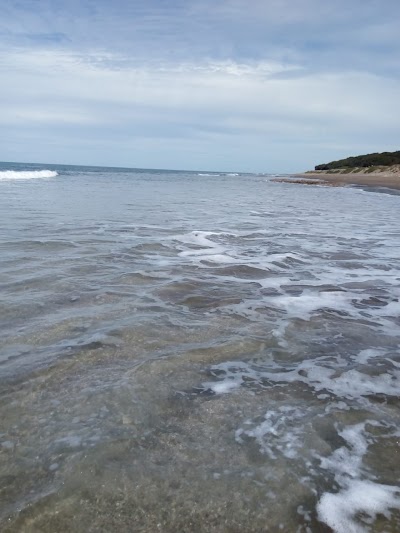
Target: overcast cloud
x,y
272,85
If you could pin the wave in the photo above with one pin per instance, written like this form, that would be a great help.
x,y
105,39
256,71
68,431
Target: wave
x,y
216,174
26,174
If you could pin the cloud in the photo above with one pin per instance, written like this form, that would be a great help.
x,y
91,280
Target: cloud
x,y
312,31
48,77
165,84
214,104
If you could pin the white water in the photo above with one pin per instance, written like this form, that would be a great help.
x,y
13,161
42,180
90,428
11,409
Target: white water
x,y
6,175
357,495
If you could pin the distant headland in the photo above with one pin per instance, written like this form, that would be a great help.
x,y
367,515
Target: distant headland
x,y
368,162
373,170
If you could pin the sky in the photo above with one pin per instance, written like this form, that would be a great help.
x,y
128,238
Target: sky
x,y
235,85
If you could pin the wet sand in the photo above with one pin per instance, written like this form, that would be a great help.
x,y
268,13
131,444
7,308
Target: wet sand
x,y
381,179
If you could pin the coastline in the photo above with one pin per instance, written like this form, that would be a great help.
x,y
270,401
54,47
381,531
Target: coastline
x,y
390,180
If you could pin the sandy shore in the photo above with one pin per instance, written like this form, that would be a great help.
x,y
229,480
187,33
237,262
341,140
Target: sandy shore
x,y
380,179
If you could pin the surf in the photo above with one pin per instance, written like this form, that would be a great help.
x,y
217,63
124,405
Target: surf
x,y
27,174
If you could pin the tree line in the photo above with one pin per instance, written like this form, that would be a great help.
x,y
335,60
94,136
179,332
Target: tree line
x,y
368,160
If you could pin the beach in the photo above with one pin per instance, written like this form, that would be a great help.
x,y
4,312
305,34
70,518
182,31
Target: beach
x,y
388,179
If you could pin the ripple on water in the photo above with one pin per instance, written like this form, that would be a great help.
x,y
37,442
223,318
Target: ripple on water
x,y
165,369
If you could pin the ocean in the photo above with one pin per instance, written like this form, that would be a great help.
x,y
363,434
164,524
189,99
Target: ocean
x,y
197,352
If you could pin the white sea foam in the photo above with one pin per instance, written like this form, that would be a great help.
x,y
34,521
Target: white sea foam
x,y
207,249
205,174
357,495
309,302
339,510
222,387
281,432
323,374
6,175
326,281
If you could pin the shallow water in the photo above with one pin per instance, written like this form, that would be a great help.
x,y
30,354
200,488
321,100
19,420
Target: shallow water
x,y
184,352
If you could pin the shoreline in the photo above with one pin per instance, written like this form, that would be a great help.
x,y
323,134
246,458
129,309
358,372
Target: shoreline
x,y
337,180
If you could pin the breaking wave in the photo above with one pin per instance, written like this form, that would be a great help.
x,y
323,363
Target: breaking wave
x,y
26,174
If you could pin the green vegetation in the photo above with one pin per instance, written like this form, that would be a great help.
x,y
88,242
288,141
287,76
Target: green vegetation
x,y
369,160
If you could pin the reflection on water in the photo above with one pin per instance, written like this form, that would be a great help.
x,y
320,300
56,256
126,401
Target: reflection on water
x,y
197,353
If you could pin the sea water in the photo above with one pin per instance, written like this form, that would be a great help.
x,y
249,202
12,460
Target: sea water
x,y
197,351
